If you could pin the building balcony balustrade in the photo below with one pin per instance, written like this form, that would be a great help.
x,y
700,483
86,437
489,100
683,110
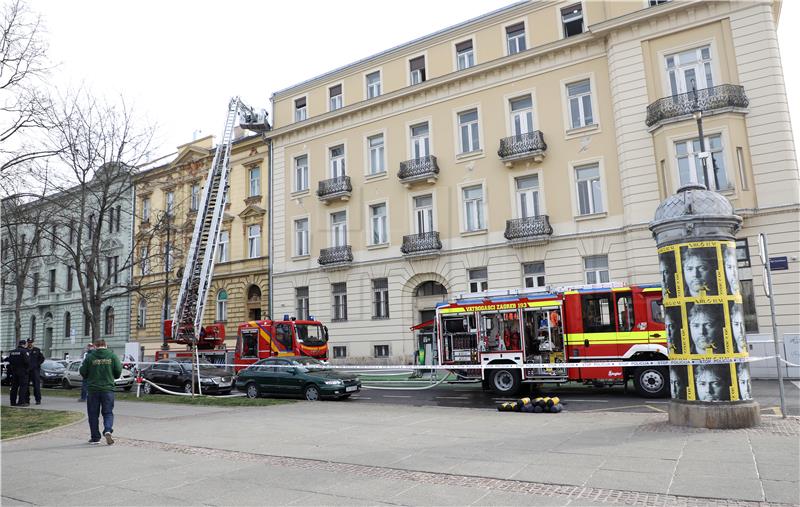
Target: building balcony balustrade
x,y
422,244
717,99
336,257
423,169
528,146
335,189
528,230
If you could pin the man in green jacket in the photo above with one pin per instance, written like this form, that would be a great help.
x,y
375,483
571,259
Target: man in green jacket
x,y
99,370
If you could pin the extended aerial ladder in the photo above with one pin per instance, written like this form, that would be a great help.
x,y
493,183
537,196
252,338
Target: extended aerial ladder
x,y
186,328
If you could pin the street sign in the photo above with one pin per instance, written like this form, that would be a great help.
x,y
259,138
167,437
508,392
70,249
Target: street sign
x,y
762,248
765,283
778,263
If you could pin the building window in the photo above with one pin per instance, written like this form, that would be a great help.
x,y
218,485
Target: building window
x,y
742,253
423,213
473,208
67,324
465,55
339,228
378,220
468,131
111,220
112,268
572,20
528,196
690,70
35,288
336,155
339,351
68,280
253,241
300,111
521,115
590,195
373,84
141,314
431,289
596,268
580,104
255,181
533,275
690,166
301,173
195,201
222,305
170,203
90,227
380,298
381,351
32,336
478,279
335,97
339,291
169,256
52,284
222,246
301,302
420,141
377,164
515,38
119,218
417,70
301,236
653,3
144,260
145,213
109,321
87,324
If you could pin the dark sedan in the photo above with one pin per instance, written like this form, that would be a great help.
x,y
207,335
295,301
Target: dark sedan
x,y
296,376
51,372
175,375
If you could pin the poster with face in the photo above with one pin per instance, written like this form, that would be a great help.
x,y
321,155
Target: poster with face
x,y
743,377
673,326
706,324
666,261
712,382
699,267
737,327
678,382
731,266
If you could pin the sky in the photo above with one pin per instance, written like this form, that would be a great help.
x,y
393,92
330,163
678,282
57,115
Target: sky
x,y
179,62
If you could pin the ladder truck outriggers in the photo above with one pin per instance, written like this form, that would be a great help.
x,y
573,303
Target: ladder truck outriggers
x,y
594,323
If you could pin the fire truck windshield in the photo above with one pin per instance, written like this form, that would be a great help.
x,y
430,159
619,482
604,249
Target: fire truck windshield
x,y
310,334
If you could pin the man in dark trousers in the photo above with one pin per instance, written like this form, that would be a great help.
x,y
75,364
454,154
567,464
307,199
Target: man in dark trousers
x,y
99,370
18,364
37,358
84,392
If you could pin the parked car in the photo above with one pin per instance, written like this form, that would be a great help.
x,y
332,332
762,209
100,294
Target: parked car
x,y
296,376
52,371
176,374
5,378
72,377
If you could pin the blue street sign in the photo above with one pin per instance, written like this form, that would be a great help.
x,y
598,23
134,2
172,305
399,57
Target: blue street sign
x,y
778,263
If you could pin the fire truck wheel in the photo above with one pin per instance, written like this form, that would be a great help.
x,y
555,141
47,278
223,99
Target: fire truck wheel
x,y
311,392
252,390
651,381
506,382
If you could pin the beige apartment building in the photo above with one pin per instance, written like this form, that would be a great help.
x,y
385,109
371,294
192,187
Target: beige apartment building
x,y
168,194
527,147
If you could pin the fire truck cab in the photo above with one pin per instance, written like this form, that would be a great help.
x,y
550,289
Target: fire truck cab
x,y
606,322
260,339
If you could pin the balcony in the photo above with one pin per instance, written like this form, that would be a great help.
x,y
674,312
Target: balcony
x,y
718,99
336,257
524,231
528,146
421,245
335,189
424,169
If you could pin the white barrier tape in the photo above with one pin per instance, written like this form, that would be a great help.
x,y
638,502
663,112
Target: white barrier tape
x,y
179,393
787,363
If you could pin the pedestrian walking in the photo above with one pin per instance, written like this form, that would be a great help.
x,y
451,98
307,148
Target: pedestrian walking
x,y
89,348
19,362
99,370
34,371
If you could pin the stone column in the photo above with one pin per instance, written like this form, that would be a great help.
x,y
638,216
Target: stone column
x,y
695,234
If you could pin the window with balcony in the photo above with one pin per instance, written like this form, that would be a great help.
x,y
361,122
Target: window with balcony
x,y
473,208
339,292
690,70
423,213
301,302
596,269
336,156
222,246
515,38
339,228
589,190
533,275
417,70
572,20
301,173
255,181
253,241
301,236
521,115
469,133
478,280
335,100
373,84
465,55
420,141
377,163
378,224
690,166
222,305
380,298
580,104
300,110
528,196
195,201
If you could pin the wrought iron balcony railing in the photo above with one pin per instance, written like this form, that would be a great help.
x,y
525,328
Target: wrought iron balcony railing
x,y
522,146
519,229
421,243
418,169
334,187
707,99
335,255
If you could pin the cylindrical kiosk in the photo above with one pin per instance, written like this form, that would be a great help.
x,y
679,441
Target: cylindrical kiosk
x,y
695,234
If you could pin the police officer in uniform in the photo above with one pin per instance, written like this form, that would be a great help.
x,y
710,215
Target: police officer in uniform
x,y
37,358
19,362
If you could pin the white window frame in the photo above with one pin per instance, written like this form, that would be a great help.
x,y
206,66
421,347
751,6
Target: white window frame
x,y
373,90
466,59
472,129
380,298
141,314
410,74
300,173
336,101
223,246
144,260
594,183
195,196
169,200
337,164
376,155
301,303
474,210
428,213
339,300
580,102
338,230
596,273
145,210
528,114
336,349
378,224
301,237
561,24
695,163
538,278
701,66
222,306
300,114
477,281
254,186
535,199
253,241
414,141
375,350
507,41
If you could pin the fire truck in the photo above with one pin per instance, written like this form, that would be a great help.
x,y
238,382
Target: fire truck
x,y
260,339
604,322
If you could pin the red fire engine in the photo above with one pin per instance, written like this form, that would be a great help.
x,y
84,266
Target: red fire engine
x,y
572,325
260,339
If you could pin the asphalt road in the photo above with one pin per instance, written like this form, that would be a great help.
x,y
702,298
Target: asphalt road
x,y
574,397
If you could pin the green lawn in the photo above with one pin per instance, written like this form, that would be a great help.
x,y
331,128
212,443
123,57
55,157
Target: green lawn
x,y
166,398
16,422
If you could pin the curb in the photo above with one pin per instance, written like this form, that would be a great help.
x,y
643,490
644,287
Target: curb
x,y
81,420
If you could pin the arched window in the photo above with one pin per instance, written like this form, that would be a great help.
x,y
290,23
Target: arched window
x,y
33,327
431,289
110,320
141,315
253,294
222,306
67,324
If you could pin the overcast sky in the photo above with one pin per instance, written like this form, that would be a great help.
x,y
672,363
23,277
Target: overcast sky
x,y
180,61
